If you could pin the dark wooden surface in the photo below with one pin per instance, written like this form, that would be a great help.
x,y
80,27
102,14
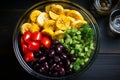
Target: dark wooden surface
x,y
105,67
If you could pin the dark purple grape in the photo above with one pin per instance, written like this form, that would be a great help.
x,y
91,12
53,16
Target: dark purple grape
x,y
62,71
63,56
57,67
57,59
68,70
42,69
40,52
46,52
51,61
67,63
59,48
32,62
60,63
51,53
42,58
65,50
55,42
37,53
52,46
52,67
46,65
68,53
42,49
36,66
72,58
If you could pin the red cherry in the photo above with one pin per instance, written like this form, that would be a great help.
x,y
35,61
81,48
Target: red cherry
x,y
29,57
36,36
27,36
24,46
46,41
25,49
33,45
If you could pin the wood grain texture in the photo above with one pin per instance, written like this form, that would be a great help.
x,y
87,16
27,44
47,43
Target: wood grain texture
x,y
105,67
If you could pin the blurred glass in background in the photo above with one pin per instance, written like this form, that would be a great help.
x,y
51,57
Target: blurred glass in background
x,y
105,7
114,23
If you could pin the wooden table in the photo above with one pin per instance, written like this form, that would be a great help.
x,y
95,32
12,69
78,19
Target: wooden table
x,y
105,67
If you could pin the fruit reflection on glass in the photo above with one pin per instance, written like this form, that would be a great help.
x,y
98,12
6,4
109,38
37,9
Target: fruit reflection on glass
x,y
56,42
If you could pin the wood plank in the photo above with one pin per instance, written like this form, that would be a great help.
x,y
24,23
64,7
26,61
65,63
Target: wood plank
x,y
106,67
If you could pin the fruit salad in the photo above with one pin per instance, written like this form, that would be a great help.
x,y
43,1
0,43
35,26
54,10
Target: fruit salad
x,y
56,41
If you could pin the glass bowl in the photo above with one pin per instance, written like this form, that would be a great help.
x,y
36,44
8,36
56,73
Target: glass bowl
x,y
114,24
41,6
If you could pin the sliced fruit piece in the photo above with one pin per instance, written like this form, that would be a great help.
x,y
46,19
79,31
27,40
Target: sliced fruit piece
x,y
34,27
58,34
48,8
53,15
34,14
49,24
48,32
77,24
25,27
56,29
75,14
65,12
41,18
56,8
63,22
71,20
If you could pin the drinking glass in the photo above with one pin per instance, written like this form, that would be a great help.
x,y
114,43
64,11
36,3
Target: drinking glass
x,y
114,23
105,7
